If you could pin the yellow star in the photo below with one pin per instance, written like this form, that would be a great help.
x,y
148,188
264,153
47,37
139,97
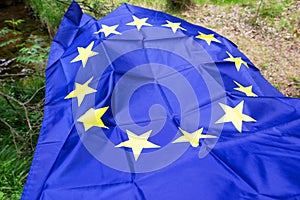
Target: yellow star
x,y
246,90
92,117
208,38
173,26
192,138
137,143
80,91
84,54
107,30
139,22
237,61
235,116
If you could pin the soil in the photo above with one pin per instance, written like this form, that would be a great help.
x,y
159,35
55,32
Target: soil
x,y
274,49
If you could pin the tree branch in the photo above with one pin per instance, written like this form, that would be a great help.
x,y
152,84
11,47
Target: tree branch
x,y
21,104
13,132
37,91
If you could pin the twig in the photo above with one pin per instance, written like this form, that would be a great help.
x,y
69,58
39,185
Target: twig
x,y
11,98
87,7
14,134
27,117
8,62
258,10
21,104
13,75
31,140
10,104
63,2
41,103
37,91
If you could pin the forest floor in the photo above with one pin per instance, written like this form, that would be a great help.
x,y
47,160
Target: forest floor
x,y
272,45
269,35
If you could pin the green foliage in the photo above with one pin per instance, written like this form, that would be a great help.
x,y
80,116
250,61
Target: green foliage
x,y
263,66
33,50
282,15
178,5
14,23
9,42
274,8
49,12
12,173
225,2
21,113
6,32
97,8
294,79
33,53
21,106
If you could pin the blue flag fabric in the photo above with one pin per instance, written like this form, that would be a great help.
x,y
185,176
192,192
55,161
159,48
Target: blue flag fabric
x,y
144,105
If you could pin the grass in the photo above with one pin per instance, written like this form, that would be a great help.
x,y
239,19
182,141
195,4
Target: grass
x,y
17,139
21,105
224,2
13,172
268,35
49,12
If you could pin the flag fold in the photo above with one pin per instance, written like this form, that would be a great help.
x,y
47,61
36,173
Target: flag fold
x,y
144,105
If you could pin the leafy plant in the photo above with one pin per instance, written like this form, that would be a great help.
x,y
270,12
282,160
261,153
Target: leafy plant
x,y
21,106
49,12
6,32
14,23
97,8
35,52
21,113
9,42
179,4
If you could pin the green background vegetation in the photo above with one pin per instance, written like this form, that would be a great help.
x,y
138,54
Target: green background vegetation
x,y
22,94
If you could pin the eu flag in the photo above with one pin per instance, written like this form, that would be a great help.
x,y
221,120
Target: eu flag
x,y
144,105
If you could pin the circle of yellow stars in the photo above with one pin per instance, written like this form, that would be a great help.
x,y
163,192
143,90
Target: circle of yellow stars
x,y
138,142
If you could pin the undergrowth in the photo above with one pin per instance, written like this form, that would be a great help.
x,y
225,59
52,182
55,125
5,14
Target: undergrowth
x,y
21,104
